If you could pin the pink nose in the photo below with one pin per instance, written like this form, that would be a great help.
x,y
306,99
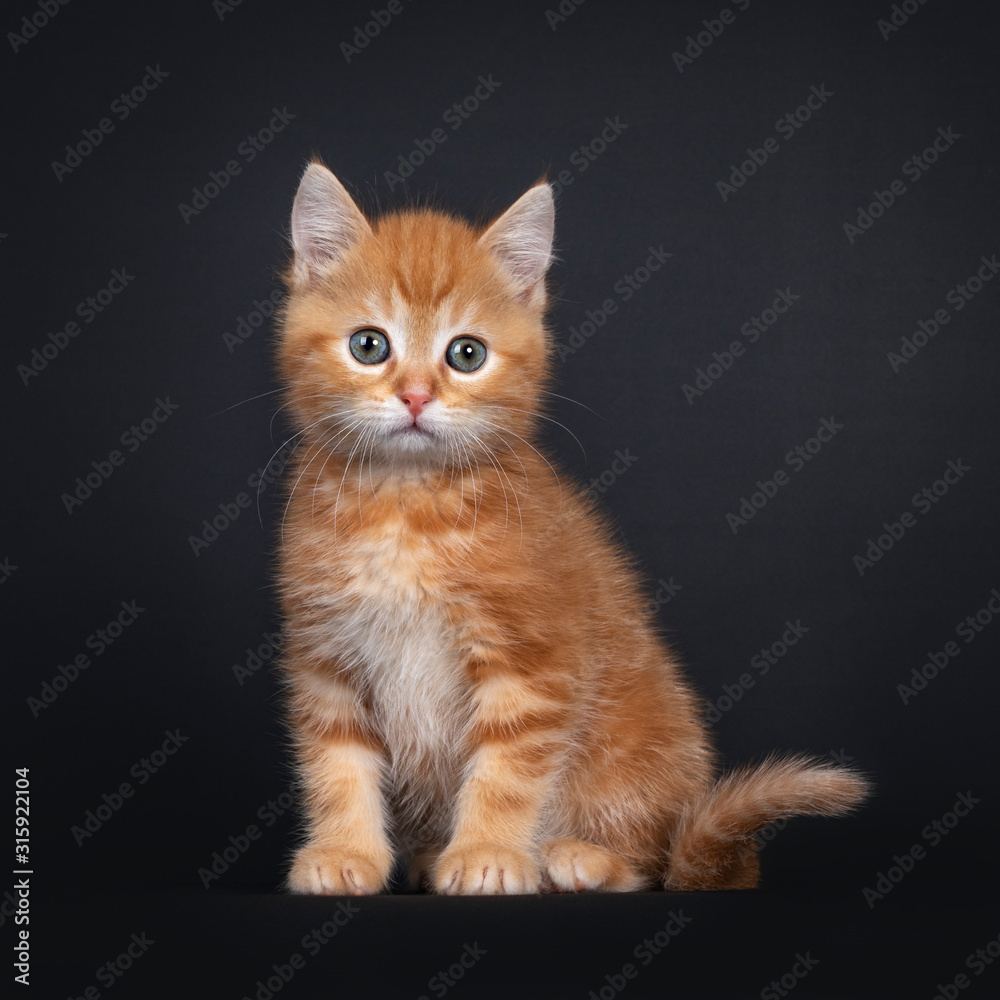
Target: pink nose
x,y
415,400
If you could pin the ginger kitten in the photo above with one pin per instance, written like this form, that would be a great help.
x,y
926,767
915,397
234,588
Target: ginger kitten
x,y
475,682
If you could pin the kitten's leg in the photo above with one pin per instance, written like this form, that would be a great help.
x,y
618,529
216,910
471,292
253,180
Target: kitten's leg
x,y
341,765
575,865
518,736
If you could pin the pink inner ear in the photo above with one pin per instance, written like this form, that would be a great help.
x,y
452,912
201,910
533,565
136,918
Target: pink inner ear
x,y
325,220
522,238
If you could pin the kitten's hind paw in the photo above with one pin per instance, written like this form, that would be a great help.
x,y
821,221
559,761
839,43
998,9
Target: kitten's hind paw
x,y
576,865
330,871
485,870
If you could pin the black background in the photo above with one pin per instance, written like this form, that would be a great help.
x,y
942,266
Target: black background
x,y
835,692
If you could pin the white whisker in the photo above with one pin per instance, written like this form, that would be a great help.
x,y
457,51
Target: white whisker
x,y
270,392
541,416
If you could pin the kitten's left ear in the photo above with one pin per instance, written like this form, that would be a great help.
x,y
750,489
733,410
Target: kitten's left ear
x,y
325,222
522,241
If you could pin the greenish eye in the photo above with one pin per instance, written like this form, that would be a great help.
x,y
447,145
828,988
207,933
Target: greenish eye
x,y
465,354
370,347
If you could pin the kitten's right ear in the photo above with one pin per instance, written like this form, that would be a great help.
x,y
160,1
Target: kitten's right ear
x,y
325,223
521,239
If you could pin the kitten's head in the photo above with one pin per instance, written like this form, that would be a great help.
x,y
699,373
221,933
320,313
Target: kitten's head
x,y
415,337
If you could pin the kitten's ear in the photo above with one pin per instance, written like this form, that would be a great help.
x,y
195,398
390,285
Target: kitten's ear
x,y
325,222
522,241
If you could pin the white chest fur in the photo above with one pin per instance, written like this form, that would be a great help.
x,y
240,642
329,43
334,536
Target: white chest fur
x,y
389,627
415,678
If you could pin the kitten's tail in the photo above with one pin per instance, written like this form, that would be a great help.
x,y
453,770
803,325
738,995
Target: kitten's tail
x,y
713,844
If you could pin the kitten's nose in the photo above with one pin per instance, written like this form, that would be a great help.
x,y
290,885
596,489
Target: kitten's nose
x,y
415,400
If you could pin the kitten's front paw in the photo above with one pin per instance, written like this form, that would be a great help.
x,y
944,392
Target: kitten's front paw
x,y
485,870
330,871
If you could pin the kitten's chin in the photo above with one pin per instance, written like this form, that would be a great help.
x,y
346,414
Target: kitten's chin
x,y
412,440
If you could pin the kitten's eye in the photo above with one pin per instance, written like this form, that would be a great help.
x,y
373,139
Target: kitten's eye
x,y
370,347
465,354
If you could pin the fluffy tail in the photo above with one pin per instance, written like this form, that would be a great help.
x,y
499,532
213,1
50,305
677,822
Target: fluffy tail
x,y
713,845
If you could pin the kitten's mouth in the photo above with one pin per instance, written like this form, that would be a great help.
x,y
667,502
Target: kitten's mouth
x,y
413,433
414,429
412,437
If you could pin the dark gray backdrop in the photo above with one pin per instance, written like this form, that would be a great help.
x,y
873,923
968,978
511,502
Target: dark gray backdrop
x,y
667,128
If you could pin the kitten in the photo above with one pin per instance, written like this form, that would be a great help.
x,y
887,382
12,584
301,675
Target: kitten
x,y
475,681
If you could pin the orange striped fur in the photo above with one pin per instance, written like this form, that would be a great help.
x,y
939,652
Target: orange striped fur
x,y
476,686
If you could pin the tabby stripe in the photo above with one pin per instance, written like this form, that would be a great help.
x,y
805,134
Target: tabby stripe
x,y
511,730
343,796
